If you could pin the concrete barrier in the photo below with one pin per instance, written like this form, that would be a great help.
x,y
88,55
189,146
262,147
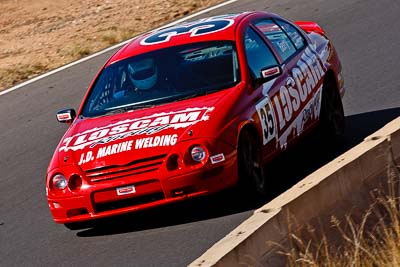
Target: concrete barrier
x,y
342,185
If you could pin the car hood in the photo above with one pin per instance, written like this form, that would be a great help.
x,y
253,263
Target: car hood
x,y
122,138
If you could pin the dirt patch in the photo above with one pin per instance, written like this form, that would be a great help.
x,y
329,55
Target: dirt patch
x,y
39,35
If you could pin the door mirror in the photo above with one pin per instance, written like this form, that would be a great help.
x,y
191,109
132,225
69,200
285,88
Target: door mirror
x,y
66,115
268,74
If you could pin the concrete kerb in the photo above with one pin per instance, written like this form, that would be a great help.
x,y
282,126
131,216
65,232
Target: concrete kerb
x,y
392,131
345,181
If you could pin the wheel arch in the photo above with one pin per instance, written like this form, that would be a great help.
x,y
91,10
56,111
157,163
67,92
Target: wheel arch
x,y
252,128
331,93
251,176
330,76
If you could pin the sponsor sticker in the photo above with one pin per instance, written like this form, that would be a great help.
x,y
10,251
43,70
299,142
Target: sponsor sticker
x,y
126,190
283,46
217,158
64,117
270,72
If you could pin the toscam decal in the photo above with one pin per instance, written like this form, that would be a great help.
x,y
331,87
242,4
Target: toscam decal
x,y
149,125
297,91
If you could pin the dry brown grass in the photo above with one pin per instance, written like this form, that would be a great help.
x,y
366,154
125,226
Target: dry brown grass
x,y
373,241
40,35
21,72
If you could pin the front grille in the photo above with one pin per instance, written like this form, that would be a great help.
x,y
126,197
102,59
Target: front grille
x,y
129,202
119,171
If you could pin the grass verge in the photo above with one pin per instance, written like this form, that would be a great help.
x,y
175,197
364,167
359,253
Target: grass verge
x,y
369,240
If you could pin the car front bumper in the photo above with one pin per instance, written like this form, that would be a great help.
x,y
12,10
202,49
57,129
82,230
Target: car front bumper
x,y
102,200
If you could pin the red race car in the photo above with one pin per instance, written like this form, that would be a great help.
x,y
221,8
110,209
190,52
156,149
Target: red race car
x,y
192,109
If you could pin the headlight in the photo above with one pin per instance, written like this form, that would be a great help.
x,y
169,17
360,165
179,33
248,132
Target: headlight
x,y
59,182
198,153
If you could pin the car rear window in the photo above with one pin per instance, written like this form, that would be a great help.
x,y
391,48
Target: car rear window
x,y
279,39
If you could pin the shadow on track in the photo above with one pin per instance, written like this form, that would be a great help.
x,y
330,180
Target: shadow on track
x,y
287,170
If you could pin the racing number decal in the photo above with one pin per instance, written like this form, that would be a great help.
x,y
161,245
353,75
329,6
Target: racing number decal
x,y
195,29
266,114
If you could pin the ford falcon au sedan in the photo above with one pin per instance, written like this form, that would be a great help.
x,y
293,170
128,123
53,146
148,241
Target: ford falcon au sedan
x,y
192,109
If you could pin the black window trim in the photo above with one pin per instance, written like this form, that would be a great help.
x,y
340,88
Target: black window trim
x,y
268,43
275,51
300,33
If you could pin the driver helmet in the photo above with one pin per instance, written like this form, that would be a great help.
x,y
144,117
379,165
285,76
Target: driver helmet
x,y
143,73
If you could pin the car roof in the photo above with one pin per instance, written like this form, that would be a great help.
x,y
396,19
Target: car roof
x,y
220,27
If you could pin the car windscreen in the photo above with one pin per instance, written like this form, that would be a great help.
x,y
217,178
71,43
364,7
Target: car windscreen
x,y
163,76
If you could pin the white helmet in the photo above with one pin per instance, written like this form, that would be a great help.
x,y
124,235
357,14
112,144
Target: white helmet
x,y
143,73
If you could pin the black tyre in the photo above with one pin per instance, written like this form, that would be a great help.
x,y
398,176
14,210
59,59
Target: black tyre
x,y
251,172
332,114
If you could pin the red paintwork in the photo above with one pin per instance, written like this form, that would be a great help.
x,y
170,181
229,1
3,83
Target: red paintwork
x,y
310,26
229,112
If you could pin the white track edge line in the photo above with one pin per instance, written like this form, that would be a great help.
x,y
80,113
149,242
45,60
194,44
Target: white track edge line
x,y
110,48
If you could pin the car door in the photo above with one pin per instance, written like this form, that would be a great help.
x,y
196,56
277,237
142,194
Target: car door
x,y
296,95
261,63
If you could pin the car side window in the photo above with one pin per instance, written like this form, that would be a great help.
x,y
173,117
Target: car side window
x,y
259,55
278,38
293,33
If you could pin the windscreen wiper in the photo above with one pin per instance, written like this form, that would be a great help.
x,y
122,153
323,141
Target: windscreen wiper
x,y
128,108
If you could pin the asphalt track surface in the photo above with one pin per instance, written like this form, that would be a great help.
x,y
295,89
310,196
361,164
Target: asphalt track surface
x,y
366,35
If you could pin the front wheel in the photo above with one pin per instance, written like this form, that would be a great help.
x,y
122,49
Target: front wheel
x,y
251,171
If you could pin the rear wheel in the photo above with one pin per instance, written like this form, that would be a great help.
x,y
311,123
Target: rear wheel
x,y
251,171
332,114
